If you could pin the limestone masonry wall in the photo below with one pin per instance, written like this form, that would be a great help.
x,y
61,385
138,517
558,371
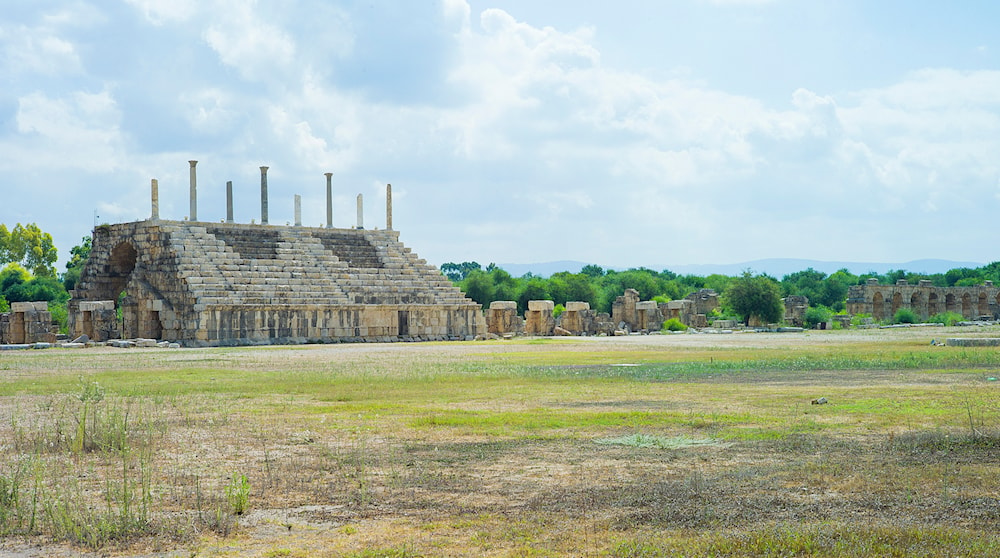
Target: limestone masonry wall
x,y
926,300
228,283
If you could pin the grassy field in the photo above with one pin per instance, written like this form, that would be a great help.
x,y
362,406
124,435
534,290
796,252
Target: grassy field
x,y
692,445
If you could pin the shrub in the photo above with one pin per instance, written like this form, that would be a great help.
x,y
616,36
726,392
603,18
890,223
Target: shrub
x,y
946,318
817,315
904,316
557,310
673,324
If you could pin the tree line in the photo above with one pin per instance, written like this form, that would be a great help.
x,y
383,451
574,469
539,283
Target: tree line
x,y
740,296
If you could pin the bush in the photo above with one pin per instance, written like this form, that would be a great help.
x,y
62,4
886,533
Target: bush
x,y
904,316
557,310
817,315
946,318
673,324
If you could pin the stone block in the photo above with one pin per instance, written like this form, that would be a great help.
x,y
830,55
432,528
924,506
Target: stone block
x,y
541,305
577,306
503,305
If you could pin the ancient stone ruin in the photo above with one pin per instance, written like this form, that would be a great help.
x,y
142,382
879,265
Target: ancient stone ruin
x,y
628,314
980,302
206,284
795,309
27,322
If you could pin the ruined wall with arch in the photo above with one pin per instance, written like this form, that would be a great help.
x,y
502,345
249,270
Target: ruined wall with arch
x,y
924,299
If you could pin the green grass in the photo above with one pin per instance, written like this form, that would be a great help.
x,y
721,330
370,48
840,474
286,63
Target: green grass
x,y
823,540
638,451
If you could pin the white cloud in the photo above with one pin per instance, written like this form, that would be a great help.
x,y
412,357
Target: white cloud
x,y
243,40
77,131
160,12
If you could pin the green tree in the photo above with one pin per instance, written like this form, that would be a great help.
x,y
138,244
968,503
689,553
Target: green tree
x,y
30,246
478,285
593,271
458,272
756,298
78,257
535,288
504,285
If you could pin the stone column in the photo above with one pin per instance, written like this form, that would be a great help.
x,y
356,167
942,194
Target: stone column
x,y
361,216
154,187
388,207
263,195
194,193
329,199
298,210
229,201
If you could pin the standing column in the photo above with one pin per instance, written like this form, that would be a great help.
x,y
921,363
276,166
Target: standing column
x,y
154,187
329,199
388,207
361,214
263,195
229,201
298,210
193,216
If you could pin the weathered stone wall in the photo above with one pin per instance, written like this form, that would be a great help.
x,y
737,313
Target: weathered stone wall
x,y
926,300
578,319
97,319
538,319
623,309
795,310
502,318
27,322
228,283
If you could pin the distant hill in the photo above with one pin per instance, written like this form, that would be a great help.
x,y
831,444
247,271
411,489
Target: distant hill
x,y
776,267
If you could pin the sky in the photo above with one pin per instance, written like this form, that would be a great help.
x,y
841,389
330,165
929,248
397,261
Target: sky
x,y
624,134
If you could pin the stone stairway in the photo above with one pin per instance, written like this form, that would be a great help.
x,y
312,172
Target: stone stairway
x,y
305,266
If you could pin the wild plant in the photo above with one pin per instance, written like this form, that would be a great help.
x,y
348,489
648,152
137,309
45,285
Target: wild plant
x,y
238,493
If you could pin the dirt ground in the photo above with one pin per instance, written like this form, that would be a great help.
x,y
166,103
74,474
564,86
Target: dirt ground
x,y
359,476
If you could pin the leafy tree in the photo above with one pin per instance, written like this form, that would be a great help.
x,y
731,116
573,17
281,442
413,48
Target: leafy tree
x,y
755,298
593,271
458,272
13,274
478,285
535,288
30,246
505,286
78,256
953,276
575,287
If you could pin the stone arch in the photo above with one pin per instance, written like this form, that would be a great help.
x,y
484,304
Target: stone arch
x,y
121,264
950,303
897,302
878,306
984,304
967,309
932,304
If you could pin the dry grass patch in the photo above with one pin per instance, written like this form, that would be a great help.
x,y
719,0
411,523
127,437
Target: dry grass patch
x,y
708,446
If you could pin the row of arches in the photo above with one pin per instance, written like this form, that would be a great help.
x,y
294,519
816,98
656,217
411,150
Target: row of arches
x,y
928,304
